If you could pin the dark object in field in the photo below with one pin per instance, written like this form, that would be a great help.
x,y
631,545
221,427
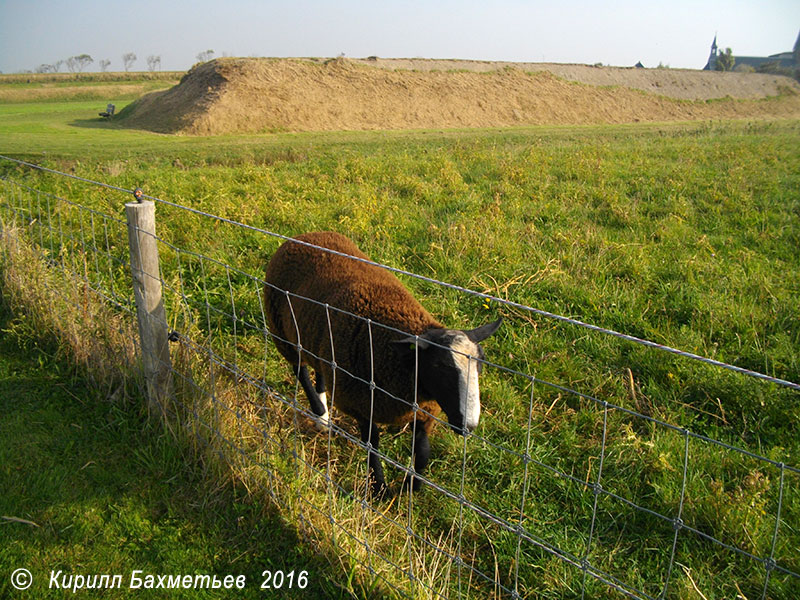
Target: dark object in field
x,y
109,111
375,361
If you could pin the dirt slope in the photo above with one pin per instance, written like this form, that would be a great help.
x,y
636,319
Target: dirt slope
x,y
682,84
252,95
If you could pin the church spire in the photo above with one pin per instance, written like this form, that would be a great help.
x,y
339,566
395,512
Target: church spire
x,y
712,57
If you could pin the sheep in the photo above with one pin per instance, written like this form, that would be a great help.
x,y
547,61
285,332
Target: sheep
x,y
368,362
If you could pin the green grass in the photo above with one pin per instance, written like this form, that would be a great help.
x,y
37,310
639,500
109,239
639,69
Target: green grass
x,y
685,234
70,79
110,493
97,87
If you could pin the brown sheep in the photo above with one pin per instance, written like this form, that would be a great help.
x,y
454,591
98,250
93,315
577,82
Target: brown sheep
x,y
381,336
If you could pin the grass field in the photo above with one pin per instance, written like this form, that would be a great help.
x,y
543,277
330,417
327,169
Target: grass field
x,y
105,492
58,87
684,234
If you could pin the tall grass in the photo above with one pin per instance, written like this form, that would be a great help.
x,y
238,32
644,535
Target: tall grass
x,y
92,486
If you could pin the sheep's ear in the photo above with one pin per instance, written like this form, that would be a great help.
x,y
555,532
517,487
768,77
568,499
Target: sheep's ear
x,y
484,331
410,342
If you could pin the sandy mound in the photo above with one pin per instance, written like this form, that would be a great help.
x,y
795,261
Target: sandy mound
x,y
683,84
254,95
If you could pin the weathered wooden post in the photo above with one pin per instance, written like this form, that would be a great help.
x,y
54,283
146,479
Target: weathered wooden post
x,y
150,312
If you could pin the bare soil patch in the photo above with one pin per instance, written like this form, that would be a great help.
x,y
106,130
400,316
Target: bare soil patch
x,y
254,95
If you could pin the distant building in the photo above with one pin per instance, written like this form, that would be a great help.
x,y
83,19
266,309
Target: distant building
x,y
783,60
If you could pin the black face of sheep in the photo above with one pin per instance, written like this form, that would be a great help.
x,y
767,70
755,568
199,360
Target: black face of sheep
x,y
449,362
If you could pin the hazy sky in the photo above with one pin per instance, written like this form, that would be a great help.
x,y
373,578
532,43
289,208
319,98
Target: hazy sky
x,y
677,33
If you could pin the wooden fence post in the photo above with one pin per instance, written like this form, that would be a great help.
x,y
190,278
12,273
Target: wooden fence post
x,y
150,312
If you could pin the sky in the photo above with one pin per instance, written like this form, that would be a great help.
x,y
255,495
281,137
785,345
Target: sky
x,y
677,33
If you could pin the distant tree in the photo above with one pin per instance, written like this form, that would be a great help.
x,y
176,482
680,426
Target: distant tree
x,y
153,62
43,68
128,59
78,63
104,65
57,66
83,61
725,61
205,56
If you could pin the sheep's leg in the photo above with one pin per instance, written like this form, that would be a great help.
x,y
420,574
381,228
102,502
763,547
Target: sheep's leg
x,y
370,435
318,404
319,387
422,453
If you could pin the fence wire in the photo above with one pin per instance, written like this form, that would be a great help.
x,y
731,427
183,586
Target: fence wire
x,y
504,511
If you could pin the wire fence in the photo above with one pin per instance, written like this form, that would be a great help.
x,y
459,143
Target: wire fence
x,y
562,491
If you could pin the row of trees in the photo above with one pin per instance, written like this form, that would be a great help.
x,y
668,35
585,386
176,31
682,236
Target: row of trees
x,y
74,64
77,64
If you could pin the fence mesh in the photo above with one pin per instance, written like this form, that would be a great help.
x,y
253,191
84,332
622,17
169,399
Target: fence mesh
x,y
620,503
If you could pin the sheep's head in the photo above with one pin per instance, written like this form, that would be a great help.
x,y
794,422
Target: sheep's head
x,y
450,361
